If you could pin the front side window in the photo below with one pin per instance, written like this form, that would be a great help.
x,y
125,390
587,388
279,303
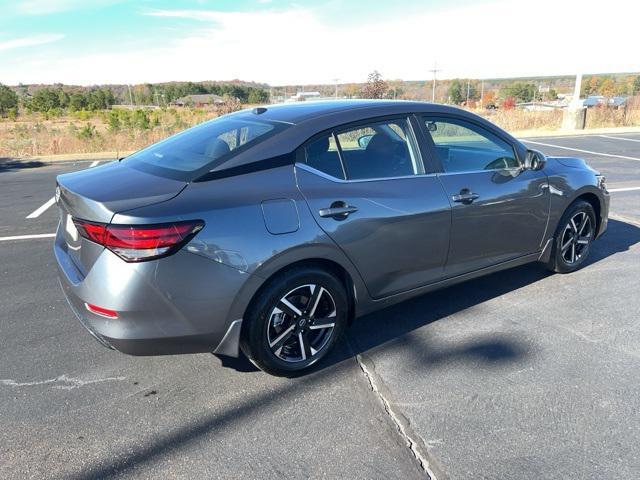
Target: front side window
x,y
465,147
377,150
200,148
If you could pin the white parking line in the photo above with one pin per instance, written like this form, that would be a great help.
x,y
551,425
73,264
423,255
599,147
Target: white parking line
x,y
624,157
628,189
40,210
36,213
27,237
620,138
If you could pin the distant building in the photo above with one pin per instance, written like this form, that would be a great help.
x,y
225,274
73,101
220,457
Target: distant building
x,y
134,107
302,96
593,101
617,102
199,100
599,100
541,106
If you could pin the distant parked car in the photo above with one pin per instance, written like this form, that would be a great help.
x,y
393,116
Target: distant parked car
x,y
270,230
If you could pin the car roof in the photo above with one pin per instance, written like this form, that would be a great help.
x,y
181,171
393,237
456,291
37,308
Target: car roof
x,y
298,112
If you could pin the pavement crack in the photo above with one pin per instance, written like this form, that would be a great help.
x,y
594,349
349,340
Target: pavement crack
x,y
412,439
63,382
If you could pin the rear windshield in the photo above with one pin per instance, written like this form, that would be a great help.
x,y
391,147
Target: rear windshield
x,y
195,151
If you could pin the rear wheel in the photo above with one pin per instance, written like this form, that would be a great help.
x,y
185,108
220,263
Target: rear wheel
x,y
295,321
574,235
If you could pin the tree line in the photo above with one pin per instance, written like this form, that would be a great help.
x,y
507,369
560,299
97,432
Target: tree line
x,y
58,99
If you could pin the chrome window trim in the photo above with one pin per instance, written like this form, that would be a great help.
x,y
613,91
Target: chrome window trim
x,y
314,171
466,172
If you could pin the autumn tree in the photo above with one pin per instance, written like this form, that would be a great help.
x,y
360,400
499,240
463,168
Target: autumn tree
x,y
375,87
509,103
591,87
607,87
489,98
351,90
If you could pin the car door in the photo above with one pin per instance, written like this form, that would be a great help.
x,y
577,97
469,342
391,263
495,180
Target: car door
x,y
367,189
499,210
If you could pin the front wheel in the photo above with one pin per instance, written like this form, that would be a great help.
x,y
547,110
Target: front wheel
x,y
295,321
574,235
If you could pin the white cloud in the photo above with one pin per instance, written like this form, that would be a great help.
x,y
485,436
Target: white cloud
x,y
298,45
44,7
30,41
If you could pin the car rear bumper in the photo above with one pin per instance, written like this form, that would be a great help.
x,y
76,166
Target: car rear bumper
x,y
177,304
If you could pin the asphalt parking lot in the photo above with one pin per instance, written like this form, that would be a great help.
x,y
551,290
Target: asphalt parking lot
x,y
521,374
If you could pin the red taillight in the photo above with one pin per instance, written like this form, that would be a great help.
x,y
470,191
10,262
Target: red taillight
x,y
135,243
103,312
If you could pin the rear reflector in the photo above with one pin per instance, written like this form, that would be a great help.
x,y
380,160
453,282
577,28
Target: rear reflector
x,y
103,312
137,243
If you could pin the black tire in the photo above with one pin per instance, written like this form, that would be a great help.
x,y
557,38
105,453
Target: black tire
x,y
266,336
566,244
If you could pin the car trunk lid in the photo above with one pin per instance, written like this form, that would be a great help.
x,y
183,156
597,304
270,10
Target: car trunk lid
x,y
97,194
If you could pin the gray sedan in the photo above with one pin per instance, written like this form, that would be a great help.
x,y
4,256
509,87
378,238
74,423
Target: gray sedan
x,y
268,231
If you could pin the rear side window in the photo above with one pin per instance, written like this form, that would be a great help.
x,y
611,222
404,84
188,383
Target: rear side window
x,y
322,154
195,151
377,150
464,147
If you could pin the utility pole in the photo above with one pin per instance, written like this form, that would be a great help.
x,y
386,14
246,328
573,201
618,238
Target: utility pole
x,y
482,94
574,116
335,80
434,70
130,97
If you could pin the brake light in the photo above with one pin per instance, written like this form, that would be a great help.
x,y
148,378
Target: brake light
x,y
137,243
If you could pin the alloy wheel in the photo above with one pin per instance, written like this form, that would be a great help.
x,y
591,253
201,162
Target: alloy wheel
x,y
576,237
301,323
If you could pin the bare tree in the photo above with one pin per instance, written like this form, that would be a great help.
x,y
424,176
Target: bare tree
x,y
375,87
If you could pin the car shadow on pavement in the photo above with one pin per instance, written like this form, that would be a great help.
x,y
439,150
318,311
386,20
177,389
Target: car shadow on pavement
x,y
393,324
385,330
11,164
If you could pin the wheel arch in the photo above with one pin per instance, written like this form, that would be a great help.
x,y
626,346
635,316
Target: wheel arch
x,y
328,265
592,199
590,195
326,256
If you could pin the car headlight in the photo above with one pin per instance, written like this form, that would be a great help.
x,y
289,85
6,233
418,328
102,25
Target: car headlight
x,y
602,184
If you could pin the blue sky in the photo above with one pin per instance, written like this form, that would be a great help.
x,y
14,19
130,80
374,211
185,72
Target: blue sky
x,y
284,42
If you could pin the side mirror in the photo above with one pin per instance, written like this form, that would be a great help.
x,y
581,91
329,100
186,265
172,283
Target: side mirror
x,y
534,160
364,140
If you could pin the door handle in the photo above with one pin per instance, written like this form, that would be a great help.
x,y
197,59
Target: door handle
x,y
337,211
465,196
